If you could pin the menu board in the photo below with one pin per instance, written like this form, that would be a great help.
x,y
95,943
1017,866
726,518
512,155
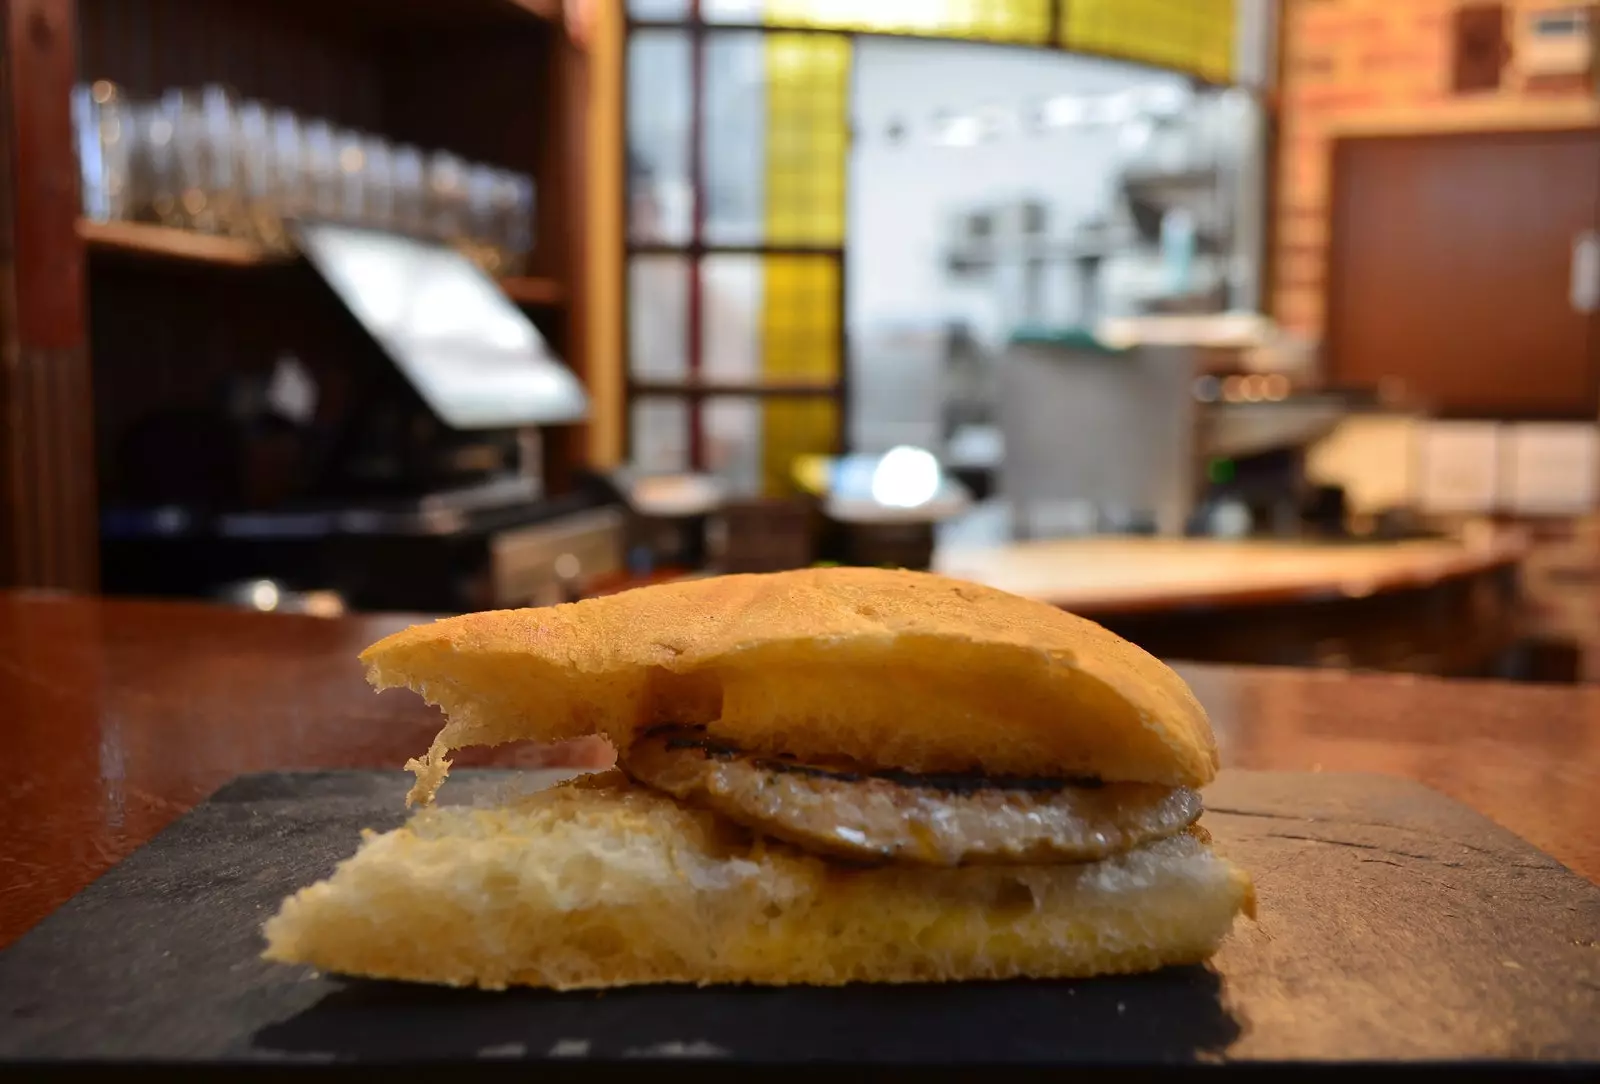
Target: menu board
x,y
1194,36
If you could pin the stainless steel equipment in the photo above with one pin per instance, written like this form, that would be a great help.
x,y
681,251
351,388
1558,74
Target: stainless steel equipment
x,y
1101,439
1097,437
549,563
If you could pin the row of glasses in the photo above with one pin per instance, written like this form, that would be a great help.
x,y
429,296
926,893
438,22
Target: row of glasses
x,y
202,160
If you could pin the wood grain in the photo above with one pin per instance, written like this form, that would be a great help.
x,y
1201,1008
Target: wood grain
x,y
527,290
122,715
48,520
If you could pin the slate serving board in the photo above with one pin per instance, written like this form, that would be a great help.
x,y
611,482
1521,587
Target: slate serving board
x,y
1395,925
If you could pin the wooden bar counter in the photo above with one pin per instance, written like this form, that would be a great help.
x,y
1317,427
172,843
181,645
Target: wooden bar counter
x,y
1444,606
119,716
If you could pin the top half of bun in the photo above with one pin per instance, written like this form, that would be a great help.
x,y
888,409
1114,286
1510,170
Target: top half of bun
x,y
890,668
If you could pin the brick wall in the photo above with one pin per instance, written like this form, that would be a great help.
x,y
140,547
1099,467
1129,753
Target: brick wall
x,y
1358,67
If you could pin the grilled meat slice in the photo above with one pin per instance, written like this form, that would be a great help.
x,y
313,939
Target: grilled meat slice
x,y
858,814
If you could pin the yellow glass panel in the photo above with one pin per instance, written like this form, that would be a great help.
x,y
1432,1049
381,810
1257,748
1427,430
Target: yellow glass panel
x,y
792,429
800,318
801,309
1188,35
992,20
808,105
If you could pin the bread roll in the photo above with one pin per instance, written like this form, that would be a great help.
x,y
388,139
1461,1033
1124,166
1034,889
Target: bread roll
x,y
1019,775
892,669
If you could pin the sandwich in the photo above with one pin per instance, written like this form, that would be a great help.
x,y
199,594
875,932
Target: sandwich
x,y
822,777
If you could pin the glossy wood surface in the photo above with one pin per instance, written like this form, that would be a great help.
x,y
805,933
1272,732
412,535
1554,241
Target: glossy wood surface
x,y
119,716
1435,606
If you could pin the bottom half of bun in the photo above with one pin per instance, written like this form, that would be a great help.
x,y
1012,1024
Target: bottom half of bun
x,y
608,884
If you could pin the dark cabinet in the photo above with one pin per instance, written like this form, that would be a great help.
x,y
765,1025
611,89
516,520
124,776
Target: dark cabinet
x,y
1457,271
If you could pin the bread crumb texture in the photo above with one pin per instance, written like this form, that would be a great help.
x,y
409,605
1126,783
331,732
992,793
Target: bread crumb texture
x,y
604,883
890,668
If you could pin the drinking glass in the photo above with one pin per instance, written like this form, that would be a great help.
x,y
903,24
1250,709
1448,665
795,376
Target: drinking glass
x,y
352,155
447,196
158,191
205,148
320,168
479,234
409,176
258,176
378,191
291,179
517,194
102,121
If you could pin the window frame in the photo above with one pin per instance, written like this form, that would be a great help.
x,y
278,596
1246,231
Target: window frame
x,y
695,250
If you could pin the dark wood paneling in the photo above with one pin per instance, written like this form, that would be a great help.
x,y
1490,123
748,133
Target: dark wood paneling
x,y
1449,266
175,347
517,100
564,163
47,485
488,97
259,50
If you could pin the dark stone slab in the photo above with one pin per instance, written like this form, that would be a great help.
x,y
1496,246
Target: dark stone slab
x,y
1396,925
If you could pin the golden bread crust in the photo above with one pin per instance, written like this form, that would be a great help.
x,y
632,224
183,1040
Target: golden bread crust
x,y
890,668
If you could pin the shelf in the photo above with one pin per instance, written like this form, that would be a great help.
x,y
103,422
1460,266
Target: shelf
x,y
756,388
534,291
164,243
144,241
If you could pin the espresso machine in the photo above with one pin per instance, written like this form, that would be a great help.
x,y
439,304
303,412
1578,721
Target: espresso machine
x,y
1147,437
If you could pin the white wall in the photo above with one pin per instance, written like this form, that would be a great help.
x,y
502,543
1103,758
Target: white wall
x,y
903,194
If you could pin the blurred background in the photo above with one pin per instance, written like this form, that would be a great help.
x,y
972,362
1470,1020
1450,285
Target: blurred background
x,y
1261,331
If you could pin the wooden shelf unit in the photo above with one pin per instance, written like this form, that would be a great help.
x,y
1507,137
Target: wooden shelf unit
x,y
100,332
140,240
